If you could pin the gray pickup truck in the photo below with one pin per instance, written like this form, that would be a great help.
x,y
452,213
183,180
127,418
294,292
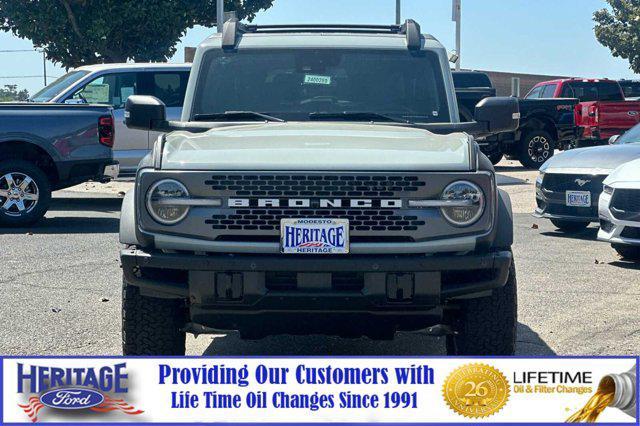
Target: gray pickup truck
x,y
45,147
319,182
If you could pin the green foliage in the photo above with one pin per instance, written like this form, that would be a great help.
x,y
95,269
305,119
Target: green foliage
x,y
10,93
81,32
618,28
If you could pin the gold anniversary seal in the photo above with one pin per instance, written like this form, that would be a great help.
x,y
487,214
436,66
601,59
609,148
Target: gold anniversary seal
x,y
476,390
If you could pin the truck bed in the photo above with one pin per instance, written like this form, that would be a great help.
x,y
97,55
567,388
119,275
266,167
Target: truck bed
x,y
68,134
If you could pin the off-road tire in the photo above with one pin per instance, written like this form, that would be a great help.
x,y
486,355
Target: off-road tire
x,y
627,252
44,193
487,325
569,225
151,326
544,140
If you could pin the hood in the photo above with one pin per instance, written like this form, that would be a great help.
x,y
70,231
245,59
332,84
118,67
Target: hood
x,y
594,160
316,146
625,176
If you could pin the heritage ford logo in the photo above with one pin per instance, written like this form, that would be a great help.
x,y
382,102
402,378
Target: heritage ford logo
x,y
323,203
73,388
72,398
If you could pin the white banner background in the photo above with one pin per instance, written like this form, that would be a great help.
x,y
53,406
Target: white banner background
x,y
147,394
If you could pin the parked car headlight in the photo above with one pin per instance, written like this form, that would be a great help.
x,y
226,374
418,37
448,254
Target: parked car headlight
x,y
607,189
467,203
161,201
539,180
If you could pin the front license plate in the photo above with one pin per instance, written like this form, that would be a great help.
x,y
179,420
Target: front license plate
x,y
314,236
578,199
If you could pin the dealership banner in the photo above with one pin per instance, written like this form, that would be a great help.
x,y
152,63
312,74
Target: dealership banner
x,y
319,389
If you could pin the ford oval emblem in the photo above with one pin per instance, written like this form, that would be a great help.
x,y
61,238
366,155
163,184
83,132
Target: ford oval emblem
x,y
72,398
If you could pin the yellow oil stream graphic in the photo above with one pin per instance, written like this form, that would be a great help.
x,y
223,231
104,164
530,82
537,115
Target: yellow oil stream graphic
x,y
596,404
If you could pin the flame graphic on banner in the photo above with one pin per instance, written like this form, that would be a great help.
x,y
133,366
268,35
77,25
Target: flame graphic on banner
x,y
32,408
109,404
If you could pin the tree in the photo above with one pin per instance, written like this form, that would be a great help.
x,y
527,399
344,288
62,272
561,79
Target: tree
x,y
619,30
10,93
81,32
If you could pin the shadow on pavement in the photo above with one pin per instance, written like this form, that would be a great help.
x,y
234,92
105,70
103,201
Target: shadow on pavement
x,y
69,225
588,234
86,204
405,343
626,264
503,180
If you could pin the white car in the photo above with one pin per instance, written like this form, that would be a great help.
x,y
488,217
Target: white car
x,y
619,210
112,84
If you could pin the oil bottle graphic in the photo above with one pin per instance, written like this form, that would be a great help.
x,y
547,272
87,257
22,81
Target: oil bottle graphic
x,y
614,390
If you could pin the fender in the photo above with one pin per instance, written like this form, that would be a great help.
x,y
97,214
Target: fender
x,y
33,140
504,232
128,219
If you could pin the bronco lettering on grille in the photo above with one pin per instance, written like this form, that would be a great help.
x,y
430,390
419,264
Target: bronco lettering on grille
x,y
315,203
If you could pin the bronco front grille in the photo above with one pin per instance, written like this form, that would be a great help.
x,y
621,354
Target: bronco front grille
x,y
311,185
359,220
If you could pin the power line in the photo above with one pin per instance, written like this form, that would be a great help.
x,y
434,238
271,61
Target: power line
x,y
25,76
18,50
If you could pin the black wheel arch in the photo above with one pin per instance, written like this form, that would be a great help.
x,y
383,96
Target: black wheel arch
x,y
42,155
538,122
504,222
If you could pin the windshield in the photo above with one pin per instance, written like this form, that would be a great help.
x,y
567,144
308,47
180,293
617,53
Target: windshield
x,y
296,84
631,136
55,88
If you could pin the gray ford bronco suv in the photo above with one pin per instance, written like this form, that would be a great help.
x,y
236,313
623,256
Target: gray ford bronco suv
x,y
319,181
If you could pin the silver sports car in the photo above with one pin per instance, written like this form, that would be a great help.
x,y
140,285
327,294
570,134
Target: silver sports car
x,y
619,210
570,183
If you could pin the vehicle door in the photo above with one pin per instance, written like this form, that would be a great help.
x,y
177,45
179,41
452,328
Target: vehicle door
x,y
113,88
170,87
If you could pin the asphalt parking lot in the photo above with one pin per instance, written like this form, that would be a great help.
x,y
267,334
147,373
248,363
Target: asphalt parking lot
x,y
61,288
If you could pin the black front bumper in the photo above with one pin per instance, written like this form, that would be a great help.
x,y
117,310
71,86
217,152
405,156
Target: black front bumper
x,y
230,291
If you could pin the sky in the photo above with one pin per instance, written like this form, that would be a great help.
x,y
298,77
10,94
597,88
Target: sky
x,y
552,37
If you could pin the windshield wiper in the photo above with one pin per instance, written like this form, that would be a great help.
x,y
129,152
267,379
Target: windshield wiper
x,y
236,116
355,116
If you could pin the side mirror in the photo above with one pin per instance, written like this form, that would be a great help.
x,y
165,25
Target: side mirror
x,y
145,113
453,56
613,139
498,114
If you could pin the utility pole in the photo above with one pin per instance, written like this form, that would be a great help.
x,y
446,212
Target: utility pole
x,y
457,17
220,14
398,10
44,66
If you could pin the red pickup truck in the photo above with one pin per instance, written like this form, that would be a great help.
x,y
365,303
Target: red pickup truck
x,y
602,111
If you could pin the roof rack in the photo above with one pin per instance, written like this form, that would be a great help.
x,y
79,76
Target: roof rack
x,y
233,29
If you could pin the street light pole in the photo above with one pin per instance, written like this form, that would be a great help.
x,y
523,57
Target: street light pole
x,y
398,10
219,15
44,66
457,17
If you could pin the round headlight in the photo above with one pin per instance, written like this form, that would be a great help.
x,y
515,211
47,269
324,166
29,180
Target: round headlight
x,y
467,202
160,201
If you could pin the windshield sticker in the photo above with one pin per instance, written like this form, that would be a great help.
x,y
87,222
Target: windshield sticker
x,y
317,79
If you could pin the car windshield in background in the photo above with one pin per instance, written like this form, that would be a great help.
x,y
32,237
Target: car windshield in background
x,y
631,136
302,83
55,88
